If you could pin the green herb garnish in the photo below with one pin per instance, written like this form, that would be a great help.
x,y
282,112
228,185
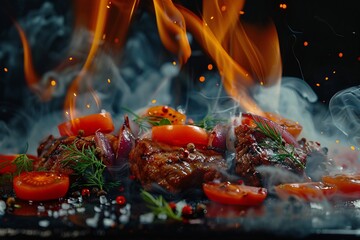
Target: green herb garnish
x,y
276,142
209,122
159,205
23,163
86,164
146,122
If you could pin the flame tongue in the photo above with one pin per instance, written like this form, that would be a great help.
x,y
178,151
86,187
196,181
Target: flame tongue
x,y
172,29
243,54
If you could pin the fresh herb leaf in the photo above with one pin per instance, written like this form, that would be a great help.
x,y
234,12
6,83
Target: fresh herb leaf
x,y
276,142
23,164
146,122
86,164
158,205
209,122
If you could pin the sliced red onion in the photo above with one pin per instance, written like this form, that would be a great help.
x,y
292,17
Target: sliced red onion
x,y
285,134
105,147
125,143
218,135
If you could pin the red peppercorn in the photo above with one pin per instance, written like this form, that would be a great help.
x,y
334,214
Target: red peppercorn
x,y
120,200
85,192
172,205
187,210
241,182
165,109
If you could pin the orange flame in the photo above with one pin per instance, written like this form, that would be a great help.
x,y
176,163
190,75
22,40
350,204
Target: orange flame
x,y
172,29
244,54
31,76
99,23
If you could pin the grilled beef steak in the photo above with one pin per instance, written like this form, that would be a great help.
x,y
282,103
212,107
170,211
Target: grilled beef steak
x,y
174,168
251,152
52,153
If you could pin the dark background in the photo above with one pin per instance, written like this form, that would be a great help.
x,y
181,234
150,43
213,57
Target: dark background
x,y
329,27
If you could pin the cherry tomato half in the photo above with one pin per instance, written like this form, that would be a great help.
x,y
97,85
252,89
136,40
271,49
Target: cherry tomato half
x,y
230,193
7,165
174,116
347,185
40,186
88,124
308,191
180,135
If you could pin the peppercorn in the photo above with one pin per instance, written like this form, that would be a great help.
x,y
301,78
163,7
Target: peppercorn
x,y
10,202
187,211
85,192
120,200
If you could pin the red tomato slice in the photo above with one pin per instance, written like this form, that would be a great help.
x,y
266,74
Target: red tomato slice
x,y
88,124
230,193
308,191
180,135
175,117
40,186
347,185
7,165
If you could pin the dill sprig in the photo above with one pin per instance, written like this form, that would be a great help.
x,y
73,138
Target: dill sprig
x,y
159,205
276,141
86,164
23,163
146,122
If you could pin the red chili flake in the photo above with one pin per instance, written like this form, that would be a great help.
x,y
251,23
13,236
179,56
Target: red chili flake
x,y
172,205
132,177
121,189
120,200
165,109
85,192
185,153
187,210
241,182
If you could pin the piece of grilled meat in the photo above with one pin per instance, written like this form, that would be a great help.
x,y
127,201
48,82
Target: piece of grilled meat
x,y
51,151
251,153
174,168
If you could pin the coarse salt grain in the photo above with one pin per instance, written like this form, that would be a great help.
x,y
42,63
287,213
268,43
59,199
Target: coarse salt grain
x,y
124,218
147,218
93,222
108,222
103,199
41,208
65,206
80,209
97,209
44,223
